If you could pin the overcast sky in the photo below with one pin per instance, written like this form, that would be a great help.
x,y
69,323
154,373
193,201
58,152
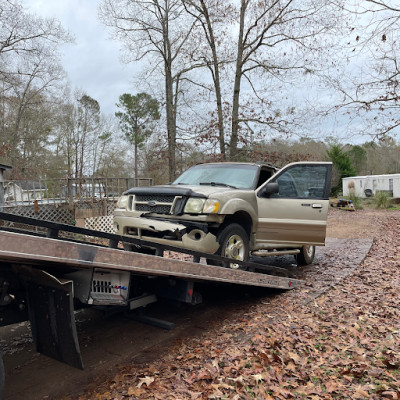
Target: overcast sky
x,y
92,62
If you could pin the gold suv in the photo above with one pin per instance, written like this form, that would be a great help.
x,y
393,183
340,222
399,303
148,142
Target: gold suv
x,y
234,209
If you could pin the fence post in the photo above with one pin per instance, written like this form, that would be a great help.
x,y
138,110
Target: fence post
x,y
2,169
1,190
70,191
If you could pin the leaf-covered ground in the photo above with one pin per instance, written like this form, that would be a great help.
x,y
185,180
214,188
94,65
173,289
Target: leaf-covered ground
x,y
343,344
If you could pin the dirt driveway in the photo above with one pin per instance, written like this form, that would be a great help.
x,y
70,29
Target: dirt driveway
x,y
110,345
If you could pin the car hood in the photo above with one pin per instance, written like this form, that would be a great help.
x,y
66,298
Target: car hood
x,y
180,190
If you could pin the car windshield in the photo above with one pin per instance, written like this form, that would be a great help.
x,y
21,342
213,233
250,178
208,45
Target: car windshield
x,y
225,175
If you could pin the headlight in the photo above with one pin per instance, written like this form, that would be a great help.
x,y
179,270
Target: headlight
x,y
123,202
194,206
211,206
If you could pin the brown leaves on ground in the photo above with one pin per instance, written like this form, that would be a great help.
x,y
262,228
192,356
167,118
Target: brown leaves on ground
x,y
344,344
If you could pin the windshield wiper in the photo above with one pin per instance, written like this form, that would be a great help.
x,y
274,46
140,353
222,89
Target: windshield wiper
x,y
218,184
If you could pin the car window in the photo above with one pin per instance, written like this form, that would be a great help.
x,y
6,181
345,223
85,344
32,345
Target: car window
x,y
240,176
265,174
302,181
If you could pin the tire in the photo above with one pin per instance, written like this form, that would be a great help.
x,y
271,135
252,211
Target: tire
x,y
233,243
306,255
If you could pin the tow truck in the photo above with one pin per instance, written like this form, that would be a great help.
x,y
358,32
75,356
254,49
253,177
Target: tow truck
x,y
48,272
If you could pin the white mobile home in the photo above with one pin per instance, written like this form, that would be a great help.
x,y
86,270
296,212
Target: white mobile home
x,y
26,191
366,186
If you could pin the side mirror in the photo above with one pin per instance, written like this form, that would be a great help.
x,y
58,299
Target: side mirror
x,y
269,188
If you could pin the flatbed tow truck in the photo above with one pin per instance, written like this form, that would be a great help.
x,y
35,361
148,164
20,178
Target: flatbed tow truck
x,y
50,271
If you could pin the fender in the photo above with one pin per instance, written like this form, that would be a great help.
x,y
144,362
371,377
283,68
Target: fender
x,y
235,205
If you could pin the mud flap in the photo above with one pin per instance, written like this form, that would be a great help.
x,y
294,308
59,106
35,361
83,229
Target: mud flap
x,y
51,313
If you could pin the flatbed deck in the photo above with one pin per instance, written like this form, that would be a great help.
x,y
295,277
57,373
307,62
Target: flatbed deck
x,y
56,253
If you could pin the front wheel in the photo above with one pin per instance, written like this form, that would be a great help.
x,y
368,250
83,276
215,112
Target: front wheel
x,y
233,243
306,255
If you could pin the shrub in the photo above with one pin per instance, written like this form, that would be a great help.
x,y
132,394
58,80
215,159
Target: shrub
x,y
356,200
382,200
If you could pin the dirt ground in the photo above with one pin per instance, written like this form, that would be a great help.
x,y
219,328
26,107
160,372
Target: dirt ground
x,y
338,340
118,353
354,224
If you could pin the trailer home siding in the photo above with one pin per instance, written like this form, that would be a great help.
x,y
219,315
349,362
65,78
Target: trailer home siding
x,y
389,183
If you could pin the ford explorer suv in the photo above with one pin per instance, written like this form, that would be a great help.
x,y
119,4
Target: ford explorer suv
x,y
234,210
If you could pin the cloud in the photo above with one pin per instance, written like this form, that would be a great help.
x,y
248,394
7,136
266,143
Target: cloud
x,y
93,62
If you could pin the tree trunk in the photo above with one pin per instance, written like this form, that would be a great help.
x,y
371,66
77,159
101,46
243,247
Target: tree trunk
x,y
136,162
171,126
233,147
169,102
216,79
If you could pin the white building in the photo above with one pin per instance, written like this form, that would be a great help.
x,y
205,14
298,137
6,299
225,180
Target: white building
x,y
24,191
366,186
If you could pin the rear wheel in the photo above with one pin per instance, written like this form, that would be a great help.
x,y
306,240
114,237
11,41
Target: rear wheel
x,y
233,243
306,255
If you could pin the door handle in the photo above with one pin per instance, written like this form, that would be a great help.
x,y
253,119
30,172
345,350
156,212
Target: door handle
x,y
317,205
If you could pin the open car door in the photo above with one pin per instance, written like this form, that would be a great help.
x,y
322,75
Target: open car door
x,y
293,206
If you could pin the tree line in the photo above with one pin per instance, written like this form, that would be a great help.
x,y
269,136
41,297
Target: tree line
x,y
222,80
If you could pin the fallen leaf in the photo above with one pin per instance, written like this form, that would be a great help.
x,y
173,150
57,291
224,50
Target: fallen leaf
x,y
147,380
258,378
362,392
390,395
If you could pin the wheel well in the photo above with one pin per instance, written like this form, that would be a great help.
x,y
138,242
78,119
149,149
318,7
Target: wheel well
x,y
241,218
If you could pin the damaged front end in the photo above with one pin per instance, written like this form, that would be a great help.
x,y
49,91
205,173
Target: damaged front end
x,y
175,216
186,234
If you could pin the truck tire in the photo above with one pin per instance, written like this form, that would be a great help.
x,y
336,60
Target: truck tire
x,y
233,243
306,255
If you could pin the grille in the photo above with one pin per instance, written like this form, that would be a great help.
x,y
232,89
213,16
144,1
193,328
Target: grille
x,y
159,209
159,198
161,203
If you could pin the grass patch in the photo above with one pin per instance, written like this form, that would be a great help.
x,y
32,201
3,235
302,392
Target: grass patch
x,y
382,200
357,201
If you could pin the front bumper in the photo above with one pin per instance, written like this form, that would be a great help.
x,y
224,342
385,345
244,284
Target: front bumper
x,y
168,233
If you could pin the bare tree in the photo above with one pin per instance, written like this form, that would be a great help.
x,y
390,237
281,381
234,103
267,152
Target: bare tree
x,y
275,37
29,70
156,30
277,42
211,14
24,34
83,127
19,31
369,84
38,74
